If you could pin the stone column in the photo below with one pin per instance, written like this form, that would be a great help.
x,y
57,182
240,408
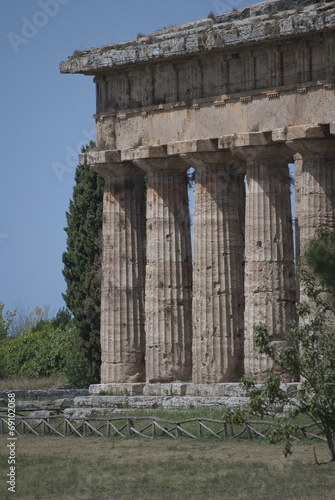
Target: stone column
x,y
297,181
269,259
316,208
297,192
123,273
168,289
218,297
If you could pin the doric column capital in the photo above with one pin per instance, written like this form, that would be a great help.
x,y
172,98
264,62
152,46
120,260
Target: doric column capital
x,y
144,152
108,164
163,166
218,160
308,140
256,147
313,147
155,160
118,170
233,141
97,157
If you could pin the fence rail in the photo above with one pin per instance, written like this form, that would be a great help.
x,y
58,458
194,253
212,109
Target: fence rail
x,y
148,427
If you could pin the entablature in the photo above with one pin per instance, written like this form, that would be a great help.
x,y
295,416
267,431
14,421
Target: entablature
x,y
231,142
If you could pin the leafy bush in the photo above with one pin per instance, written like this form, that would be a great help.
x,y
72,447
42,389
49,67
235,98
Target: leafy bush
x,y
6,320
37,352
44,348
307,351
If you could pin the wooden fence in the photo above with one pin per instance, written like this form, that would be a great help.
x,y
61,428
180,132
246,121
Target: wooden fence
x,y
148,428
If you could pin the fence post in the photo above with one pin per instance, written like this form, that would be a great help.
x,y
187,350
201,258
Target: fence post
x,y
130,424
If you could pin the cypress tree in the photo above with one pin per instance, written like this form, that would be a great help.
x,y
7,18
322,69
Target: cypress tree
x,y
82,266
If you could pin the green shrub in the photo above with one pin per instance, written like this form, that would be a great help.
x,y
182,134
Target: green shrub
x,y
36,352
44,348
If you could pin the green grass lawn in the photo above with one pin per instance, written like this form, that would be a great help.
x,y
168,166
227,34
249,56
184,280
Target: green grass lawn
x,y
134,469
137,468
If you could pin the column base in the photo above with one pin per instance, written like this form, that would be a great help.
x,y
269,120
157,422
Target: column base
x,y
177,389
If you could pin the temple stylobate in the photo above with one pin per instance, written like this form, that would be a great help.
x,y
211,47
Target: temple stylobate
x,y
237,97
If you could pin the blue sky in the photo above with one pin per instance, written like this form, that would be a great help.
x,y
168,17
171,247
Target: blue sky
x,y
47,117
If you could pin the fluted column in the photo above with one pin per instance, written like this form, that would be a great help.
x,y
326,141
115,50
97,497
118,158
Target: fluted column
x,y
218,297
297,192
123,274
269,259
168,311
316,208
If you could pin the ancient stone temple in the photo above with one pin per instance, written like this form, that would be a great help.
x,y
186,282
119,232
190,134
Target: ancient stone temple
x,y
238,97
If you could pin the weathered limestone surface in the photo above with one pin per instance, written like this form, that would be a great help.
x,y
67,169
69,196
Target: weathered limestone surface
x,y
123,272
111,388
298,163
168,287
317,205
257,84
241,71
110,405
314,183
230,390
140,402
246,25
218,298
269,267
